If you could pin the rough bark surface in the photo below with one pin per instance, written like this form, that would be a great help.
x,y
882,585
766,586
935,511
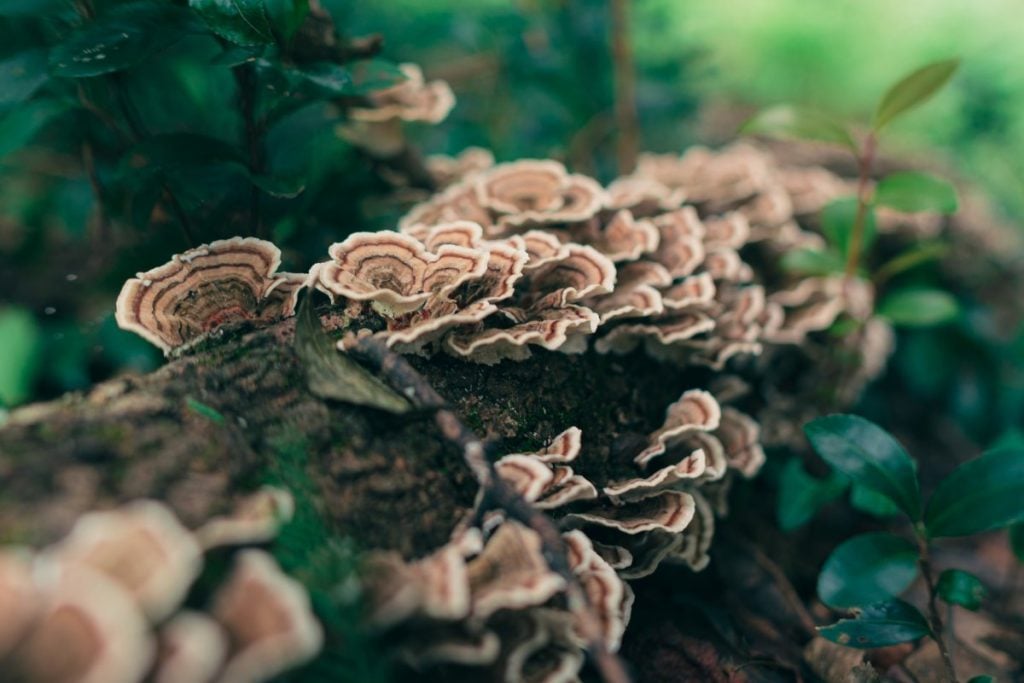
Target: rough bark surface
x,y
207,427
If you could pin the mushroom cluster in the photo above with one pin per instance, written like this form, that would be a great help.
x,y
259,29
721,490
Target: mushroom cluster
x,y
202,290
104,604
495,603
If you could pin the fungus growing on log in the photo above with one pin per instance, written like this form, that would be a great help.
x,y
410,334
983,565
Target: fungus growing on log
x,y
412,99
142,547
202,289
191,649
268,620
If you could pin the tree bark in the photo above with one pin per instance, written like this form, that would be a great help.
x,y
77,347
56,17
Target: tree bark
x,y
213,425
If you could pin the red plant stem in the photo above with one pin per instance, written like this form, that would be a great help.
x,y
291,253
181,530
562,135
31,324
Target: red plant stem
x,y
866,161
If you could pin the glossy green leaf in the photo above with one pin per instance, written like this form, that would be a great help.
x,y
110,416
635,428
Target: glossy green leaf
x,y
878,625
838,219
374,74
913,192
786,121
866,569
243,22
186,152
1016,533
913,90
918,254
871,502
119,39
236,55
333,375
869,456
801,495
21,75
982,678
958,587
981,494
287,15
22,354
812,262
919,307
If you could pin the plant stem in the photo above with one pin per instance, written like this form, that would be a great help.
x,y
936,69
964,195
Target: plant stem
x,y
625,87
245,77
924,560
865,162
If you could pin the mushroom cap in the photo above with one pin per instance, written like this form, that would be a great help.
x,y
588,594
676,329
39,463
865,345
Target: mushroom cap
x,y
666,511
256,518
395,271
524,188
20,600
511,572
696,410
610,599
89,631
268,619
192,649
448,169
623,238
201,289
740,436
143,547
409,100
550,328
681,247
692,466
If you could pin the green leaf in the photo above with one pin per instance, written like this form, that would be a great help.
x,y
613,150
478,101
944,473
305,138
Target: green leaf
x,y
287,15
919,307
243,22
812,262
22,123
962,588
331,374
916,255
187,152
913,192
235,55
801,495
837,221
21,75
982,678
206,411
21,357
119,39
866,569
787,121
869,456
981,494
1017,540
374,74
878,625
871,502
913,90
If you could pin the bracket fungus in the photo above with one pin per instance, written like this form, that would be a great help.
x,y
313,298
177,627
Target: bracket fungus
x,y
268,620
412,99
142,547
202,289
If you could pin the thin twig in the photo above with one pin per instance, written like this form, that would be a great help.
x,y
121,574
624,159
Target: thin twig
x,y
137,131
625,87
924,561
865,162
101,236
395,370
245,78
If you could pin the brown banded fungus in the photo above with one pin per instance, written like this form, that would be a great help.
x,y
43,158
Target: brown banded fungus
x,y
205,288
412,99
268,620
142,547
